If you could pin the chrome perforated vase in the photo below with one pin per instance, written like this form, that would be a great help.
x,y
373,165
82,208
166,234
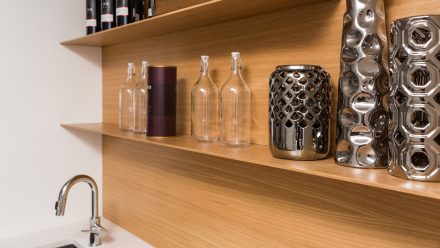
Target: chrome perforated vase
x,y
363,106
415,98
299,99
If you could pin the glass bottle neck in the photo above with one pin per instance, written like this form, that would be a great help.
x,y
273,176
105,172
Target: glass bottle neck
x,y
204,71
131,73
131,76
131,79
235,69
144,73
236,64
204,65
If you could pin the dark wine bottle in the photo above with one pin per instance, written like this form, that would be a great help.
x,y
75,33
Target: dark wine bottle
x,y
107,14
93,16
123,12
137,10
145,4
151,8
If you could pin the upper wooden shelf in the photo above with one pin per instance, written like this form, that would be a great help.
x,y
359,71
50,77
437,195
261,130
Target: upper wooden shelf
x,y
212,12
260,155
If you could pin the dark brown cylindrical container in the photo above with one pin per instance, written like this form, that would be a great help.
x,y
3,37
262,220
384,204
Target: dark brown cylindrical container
x,y
161,100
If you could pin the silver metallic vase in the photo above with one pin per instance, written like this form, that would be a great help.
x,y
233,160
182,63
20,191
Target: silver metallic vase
x,y
415,98
363,108
299,97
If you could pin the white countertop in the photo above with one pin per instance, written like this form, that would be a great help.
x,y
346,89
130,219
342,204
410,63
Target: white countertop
x,y
115,237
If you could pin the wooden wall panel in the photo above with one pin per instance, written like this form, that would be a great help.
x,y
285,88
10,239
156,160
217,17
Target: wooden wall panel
x,y
177,199
180,199
264,41
309,34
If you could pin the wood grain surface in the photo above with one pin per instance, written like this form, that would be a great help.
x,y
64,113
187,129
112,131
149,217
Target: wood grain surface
x,y
203,14
308,34
259,156
165,6
173,198
176,198
265,41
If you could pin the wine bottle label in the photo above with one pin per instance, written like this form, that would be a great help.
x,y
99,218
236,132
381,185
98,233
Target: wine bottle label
x,y
122,11
91,23
107,18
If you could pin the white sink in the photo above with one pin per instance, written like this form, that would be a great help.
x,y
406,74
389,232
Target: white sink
x,y
115,237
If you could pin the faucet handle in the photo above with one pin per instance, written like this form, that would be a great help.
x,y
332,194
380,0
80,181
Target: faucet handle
x,y
91,231
100,228
95,229
96,233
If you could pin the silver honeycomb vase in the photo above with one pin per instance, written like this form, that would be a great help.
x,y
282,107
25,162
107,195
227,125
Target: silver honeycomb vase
x,y
299,97
415,98
363,108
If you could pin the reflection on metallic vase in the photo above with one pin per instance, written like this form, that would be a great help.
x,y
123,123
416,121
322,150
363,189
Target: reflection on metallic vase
x,y
299,112
415,98
363,108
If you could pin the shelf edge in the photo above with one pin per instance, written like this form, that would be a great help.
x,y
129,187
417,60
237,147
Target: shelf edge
x,y
136,138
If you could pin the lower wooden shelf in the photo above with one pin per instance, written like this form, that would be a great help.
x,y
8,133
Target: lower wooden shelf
x,y
261,156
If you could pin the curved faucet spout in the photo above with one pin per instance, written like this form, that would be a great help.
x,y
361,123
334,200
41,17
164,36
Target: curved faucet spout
x,y
95,228
60,205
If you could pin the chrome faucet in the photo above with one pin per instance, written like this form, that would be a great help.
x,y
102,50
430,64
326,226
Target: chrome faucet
x,y
95,229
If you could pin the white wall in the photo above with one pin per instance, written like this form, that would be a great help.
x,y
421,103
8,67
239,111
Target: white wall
x,y
44,84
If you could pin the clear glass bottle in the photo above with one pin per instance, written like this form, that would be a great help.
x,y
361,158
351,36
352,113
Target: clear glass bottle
x,y
235,107
204,106
140,102
126,100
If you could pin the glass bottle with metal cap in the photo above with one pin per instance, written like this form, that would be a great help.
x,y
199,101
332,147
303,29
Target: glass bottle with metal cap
x,y
140,102
235,107
126,100
204,106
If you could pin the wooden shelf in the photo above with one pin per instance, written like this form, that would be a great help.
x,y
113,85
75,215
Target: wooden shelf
x,y
212,12
260,155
